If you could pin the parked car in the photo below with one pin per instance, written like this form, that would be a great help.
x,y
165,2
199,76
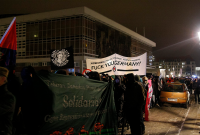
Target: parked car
x,y
175,93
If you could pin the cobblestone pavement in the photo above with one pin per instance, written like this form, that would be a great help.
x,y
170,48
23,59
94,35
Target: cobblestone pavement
x,y
173,120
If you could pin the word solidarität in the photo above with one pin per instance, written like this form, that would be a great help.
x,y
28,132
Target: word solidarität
x,y
77,101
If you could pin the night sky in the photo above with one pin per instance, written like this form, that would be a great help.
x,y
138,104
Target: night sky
x,y
171,24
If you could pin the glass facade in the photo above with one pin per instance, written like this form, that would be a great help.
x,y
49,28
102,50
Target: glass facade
x,y
138,48
42,36
110,41
88,37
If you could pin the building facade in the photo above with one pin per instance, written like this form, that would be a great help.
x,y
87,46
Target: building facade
x,y
91,34
177,67
198,72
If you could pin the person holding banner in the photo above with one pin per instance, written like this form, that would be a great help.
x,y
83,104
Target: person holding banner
x,y
7,104
134,100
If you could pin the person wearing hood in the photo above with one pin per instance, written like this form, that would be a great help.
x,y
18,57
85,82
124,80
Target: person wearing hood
x,y
134,98
7,104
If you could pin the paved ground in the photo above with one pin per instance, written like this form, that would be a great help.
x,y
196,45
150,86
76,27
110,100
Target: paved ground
x,y
173,120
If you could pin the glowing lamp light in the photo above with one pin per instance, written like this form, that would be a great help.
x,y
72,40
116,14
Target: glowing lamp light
x,y
194,76
199,35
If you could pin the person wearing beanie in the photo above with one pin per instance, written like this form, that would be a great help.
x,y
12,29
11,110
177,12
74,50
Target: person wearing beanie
x,y
113,77
7,104
133,102
137,78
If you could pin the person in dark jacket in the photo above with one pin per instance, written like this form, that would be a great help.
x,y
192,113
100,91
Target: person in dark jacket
x,y
197,92
134,98
189,84
7,104
137,79
14,86
29,103
155,91
119,99
194,86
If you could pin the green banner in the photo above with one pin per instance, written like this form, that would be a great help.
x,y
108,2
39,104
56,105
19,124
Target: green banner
x,y
72,105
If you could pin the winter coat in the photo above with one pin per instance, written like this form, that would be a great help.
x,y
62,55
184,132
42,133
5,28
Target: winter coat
x,y
7,108
198,86
145,86
14,86
32,110
134,96
194,85
159,85
155,88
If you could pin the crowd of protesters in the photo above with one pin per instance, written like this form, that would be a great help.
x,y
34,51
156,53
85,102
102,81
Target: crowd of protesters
x,y
131,94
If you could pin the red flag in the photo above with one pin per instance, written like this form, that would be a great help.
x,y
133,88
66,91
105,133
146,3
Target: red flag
x,y
146,108
8,45
9,39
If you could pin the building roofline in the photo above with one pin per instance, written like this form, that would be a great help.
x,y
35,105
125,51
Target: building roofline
x,y
118,26
78,11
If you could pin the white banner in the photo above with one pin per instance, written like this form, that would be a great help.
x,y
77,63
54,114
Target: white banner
x,y
119,65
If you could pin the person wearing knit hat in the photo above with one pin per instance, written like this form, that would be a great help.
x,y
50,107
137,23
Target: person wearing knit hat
x,y
113,77
7,104
137,78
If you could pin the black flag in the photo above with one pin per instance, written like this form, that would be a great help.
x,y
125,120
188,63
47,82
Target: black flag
x,y
62,59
